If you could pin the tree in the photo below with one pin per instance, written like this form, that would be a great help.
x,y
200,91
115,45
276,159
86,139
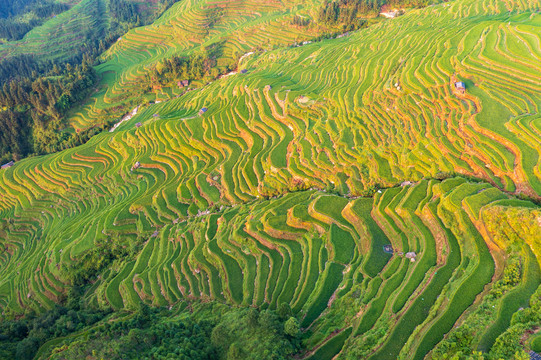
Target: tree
x,y
252,317
269,321
292,327
522,355
235,352
221,337
284,311
27,348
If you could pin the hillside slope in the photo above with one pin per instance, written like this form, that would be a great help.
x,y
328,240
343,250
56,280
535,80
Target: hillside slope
x,y
308,249
71,32
230,28
285,190
377,94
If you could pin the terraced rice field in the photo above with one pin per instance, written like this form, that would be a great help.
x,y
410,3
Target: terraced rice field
x,y
234,27
307,249
257,201
374,97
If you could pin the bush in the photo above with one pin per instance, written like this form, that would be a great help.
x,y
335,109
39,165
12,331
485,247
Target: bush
x,y
536,344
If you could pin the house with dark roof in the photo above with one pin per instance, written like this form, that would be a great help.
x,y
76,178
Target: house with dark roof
x,y
7,165
460,86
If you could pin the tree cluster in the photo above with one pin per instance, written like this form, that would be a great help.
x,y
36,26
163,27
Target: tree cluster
x,y
201,65
410,3
124,11
15,30
90,264
147,334
300,21
15,135
347,12
34,105
21,339
9,8
204,331
15,27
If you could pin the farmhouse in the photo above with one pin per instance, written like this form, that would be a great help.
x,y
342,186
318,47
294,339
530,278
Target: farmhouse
x,y
136,166
534,356
388,249
7,165
203,110
183,83
391,14
411,255
460,86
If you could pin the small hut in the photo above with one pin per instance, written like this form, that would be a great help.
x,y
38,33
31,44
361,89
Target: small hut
x,y
156,115
136,166
203,110
183,83
138,125
388,249
7,165
268,87
243,71
460,86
